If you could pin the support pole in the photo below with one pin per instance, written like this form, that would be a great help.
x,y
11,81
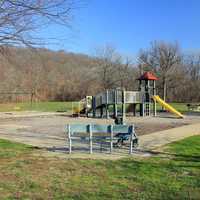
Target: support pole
x,y
142,109
131,141
107,107
69,139
90,137
115,104
134,109
111,138
101,111
154,103
94,106
123,106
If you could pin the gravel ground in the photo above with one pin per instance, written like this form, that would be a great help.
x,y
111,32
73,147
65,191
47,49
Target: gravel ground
x,y
49,130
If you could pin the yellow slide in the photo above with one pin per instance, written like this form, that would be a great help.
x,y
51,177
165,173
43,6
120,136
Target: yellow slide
x,y
167,106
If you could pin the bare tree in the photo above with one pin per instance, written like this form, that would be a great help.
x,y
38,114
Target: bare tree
x,y
192,73
162,58
126,74
19,19
108,60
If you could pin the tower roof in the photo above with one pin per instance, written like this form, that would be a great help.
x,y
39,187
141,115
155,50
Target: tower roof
x,y
148,76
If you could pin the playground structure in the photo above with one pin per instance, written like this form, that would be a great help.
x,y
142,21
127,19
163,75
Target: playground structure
x,y
114,102
107,137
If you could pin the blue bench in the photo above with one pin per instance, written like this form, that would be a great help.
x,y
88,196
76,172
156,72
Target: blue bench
x,y
121,132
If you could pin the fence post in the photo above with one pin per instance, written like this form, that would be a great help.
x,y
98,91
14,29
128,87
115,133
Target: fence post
x,y
69,139
90,137
131,140
111,138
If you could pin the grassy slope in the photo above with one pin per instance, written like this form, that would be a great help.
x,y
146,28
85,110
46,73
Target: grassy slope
x,y
23,175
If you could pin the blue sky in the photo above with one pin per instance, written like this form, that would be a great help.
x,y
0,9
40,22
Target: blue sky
x,y
130,25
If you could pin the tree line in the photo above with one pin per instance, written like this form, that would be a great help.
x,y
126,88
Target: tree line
x,y
63,76
26,68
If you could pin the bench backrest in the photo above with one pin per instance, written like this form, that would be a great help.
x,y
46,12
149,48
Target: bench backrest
x,y
97,128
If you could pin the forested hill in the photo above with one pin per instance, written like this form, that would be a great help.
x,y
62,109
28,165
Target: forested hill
x,y
57,75
61,76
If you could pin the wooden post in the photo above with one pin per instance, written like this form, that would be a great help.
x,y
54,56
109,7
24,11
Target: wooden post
x,y
90,137
69,139
111,138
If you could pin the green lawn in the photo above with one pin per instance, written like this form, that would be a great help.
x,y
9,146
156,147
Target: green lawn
x,y
63,106
173,175
38,106
181,107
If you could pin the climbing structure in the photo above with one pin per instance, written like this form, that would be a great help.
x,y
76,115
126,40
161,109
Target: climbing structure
x,y
115,102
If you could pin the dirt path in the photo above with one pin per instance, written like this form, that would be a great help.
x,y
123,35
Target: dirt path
x,y
158,139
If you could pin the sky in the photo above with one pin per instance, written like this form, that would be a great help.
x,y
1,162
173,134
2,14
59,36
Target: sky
x,y
130,25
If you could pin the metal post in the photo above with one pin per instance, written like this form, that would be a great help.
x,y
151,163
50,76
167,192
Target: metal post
x,y
111,138
69,139
142,105
90,137
79,108
107,112
101,112
131,141
115,104
72,108
123,106
94,106
134,109
154,103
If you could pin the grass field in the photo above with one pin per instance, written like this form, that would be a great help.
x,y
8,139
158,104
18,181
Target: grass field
x,y
39,106
61,106
175,174
181,107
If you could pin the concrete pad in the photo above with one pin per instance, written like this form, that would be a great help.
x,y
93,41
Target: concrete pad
x,y
161,138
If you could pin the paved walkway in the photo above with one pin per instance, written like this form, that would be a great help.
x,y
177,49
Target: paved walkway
x,y
158,139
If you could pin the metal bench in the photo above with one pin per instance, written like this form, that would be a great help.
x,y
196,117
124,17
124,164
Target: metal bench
x,y
193,107
121,132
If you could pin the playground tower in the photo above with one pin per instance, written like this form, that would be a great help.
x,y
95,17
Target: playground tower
x,y
147,85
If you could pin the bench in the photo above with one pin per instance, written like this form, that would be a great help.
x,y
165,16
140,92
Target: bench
x,y
193,107
121,132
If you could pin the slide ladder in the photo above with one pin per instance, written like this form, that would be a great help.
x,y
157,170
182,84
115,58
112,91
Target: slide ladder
x,y
167,106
